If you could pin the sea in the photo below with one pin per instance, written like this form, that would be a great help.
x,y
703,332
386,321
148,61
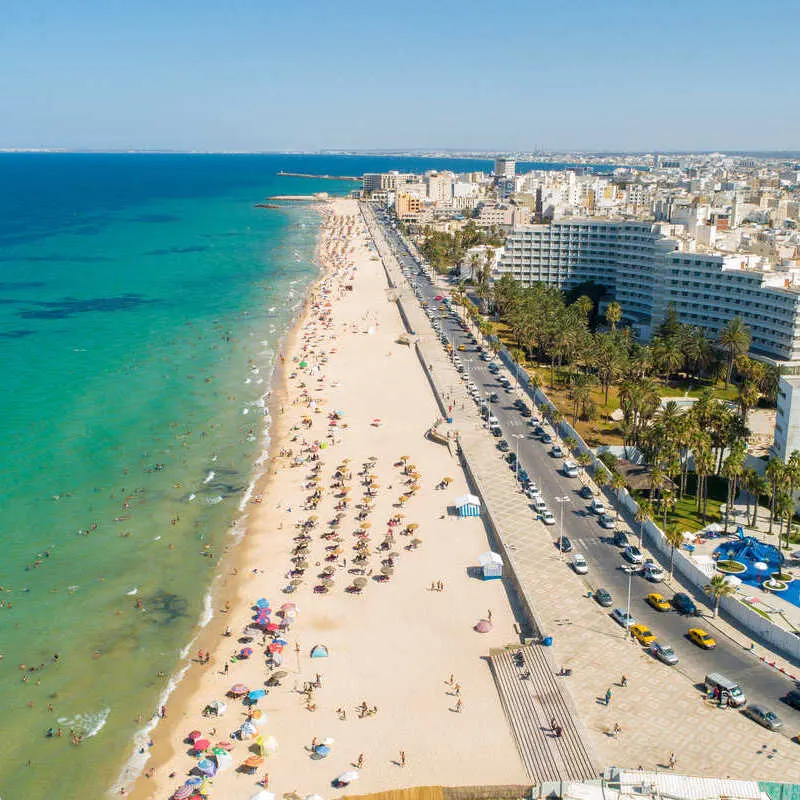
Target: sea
x,y
143,302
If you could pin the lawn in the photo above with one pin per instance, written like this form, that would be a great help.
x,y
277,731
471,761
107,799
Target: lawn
x,y
685,513
602,430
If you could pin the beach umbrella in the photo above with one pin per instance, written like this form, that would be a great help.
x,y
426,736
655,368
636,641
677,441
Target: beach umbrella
x,y
288,607
366,525
207,766
238,688
281,673
387,571
348,777
322,750
258,717
256,694
483,626
412,526
247,730
360,583
183,792
194,735
281,642
219,751
262,603
272,627
201,744
224,759
195,780
218,707
274,648
225,745
270,744
246,652
263,795
313,797
416,542
328,740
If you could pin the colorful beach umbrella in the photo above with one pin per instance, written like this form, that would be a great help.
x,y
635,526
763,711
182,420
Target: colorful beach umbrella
x,y
183,792
201,744
207,766
256,694
238,688
262,603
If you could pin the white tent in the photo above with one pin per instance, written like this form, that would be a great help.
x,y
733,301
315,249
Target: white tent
x,y
492,565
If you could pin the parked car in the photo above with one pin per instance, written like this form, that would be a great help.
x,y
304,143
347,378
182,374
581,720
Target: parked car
x,y
579,564
556,451
653,572
525,411
632,554
642,634
684,604
621,616
702,638
539,431
586,492
763,716
547,517
621,539
793,698
546,438
570,469
495,430
603,597
503,446
563,543
539,505
511,458
532,491
658,601
597,506
664,653
607,521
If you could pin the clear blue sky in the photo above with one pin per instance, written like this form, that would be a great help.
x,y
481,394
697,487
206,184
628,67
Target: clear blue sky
x,y
305,74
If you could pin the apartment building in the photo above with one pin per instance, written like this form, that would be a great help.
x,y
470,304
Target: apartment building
x,y
646,272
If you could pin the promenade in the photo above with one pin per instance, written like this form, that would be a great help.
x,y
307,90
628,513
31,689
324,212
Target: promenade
x,y
660,710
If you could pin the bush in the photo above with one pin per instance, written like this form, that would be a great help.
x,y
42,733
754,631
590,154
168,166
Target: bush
x,y
610,460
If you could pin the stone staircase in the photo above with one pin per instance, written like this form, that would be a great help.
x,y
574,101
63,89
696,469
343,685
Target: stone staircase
x,y
530,704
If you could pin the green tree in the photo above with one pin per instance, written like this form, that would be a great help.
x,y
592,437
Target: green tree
x,y
674,537
618,484
717,588
774,476
613,314
643,515
735,339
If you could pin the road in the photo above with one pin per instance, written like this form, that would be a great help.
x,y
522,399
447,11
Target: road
x,y
759,682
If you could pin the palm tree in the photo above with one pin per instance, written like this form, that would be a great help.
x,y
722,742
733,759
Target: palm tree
x,y
718,587
760,489
774,476
792,476
571,442
674,537
735,339
644,514
618,484
584,460
732,470
613,314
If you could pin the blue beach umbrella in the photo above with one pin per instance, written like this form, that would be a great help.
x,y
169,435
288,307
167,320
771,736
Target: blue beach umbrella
x,y
322,750
207,766
262,603
256,694
280,641
195,780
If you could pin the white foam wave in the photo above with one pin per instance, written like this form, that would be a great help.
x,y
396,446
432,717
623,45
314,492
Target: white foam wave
x,y
86,725
209,477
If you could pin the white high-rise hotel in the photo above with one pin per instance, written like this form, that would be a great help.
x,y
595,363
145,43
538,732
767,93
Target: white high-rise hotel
x,y
646,272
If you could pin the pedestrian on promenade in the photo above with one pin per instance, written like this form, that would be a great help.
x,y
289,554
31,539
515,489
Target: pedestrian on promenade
x,y
489,615
402,758
624,680
608,696
672,760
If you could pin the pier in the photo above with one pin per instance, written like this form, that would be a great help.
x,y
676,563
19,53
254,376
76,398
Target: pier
x,y
283,174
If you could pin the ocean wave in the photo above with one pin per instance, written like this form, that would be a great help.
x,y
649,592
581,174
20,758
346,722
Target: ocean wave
x,y
86,725
209,477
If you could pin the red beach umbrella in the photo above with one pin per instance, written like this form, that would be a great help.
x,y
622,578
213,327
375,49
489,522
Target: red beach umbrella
x,y
194,735
201,744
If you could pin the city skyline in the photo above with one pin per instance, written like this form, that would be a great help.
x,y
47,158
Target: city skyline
x,y
255,78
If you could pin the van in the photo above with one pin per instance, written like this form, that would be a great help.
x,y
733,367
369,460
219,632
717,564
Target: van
x,y
495,430
716,680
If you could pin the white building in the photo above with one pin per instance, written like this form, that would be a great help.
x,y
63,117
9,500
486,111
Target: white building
x,y
505,167
787,419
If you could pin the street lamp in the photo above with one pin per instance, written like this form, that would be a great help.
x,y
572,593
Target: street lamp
x,y
517,436
561,501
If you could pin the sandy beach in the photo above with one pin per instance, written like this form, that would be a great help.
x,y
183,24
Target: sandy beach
x,y
350,417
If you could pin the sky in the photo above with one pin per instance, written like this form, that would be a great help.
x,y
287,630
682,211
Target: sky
x,y
260,75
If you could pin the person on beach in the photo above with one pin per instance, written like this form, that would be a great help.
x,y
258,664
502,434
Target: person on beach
x,y
360,761
402,758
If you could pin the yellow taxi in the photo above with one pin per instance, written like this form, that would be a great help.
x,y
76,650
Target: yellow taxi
x,y
702,638
642,634
658,601
461,348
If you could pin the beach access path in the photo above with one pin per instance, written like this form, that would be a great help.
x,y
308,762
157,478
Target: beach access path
x,y
394,646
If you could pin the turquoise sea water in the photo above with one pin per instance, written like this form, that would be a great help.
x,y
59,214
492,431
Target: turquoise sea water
x,y
142,299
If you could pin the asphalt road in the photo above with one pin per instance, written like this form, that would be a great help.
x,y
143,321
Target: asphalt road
x,y
760,683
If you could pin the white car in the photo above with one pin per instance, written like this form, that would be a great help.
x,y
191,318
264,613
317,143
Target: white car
x,y
493,421
539,504
579,564
653,572
533,491
607,521
597,507
556,451
570,469
548,518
